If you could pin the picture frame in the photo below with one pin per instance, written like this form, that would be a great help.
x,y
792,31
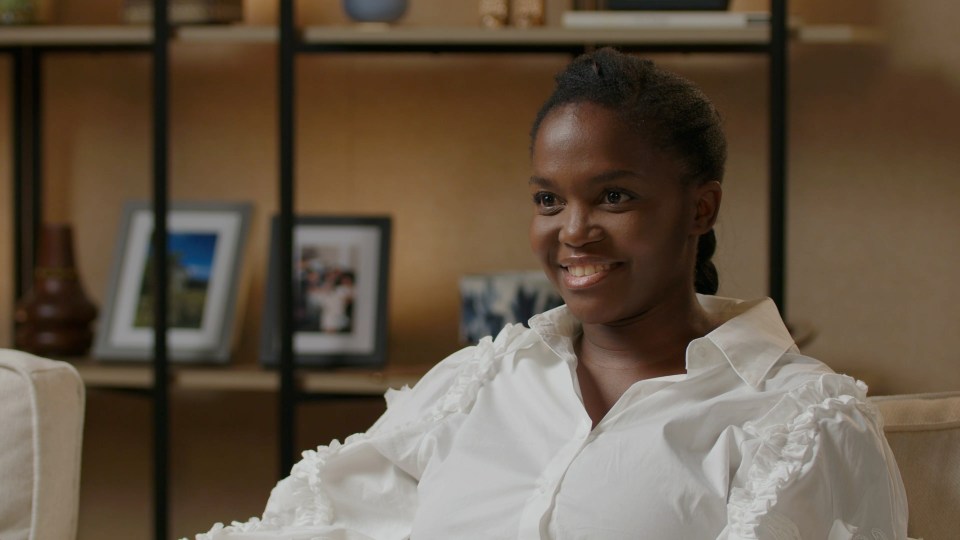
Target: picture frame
x,y
341,275
490,301
206,242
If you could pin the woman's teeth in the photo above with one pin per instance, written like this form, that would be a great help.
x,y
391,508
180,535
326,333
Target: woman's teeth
x,y
588,270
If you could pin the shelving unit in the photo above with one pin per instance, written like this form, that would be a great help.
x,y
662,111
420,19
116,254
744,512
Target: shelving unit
x,y
133,37
345,382
28,45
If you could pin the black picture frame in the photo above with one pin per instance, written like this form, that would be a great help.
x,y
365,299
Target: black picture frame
x,y
341,281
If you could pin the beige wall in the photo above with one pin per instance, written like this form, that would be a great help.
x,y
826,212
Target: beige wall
x,y
439,142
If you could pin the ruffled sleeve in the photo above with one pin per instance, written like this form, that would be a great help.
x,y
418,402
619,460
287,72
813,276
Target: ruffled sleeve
x,y
817,466
366,487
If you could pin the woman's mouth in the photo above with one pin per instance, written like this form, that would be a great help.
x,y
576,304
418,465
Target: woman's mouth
x,y
587,270
581,276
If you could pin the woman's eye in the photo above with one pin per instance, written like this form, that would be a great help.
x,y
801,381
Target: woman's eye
x,y
615,197
545,199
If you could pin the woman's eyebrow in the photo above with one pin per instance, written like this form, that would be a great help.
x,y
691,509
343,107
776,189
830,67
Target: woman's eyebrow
x,y
540,181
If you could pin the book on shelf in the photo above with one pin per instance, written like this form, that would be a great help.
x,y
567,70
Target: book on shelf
x,y
663,19
186,11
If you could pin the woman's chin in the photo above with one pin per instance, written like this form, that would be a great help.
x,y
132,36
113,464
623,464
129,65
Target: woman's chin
x,y
590,312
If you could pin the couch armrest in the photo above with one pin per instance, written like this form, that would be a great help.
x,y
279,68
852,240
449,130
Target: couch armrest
x,y
41,414
924,433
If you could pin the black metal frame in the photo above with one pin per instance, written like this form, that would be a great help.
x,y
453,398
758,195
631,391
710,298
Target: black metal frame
x,y
777,242
161,406
26,195
27,185
28,207
288,390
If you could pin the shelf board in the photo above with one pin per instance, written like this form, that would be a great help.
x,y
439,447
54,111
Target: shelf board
x,y
532,37
246,378
52,35
439,37
358,382
232,33
96,375
840,34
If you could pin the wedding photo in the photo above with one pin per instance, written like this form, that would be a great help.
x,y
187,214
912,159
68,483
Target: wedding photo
x,y
325,277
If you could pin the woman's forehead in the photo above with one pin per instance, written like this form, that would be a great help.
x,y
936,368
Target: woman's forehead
x,y
587,140
584,123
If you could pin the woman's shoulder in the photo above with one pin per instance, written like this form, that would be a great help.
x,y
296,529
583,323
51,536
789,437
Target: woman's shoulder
x,y
802,382
478,361
820,423
809,397
452,384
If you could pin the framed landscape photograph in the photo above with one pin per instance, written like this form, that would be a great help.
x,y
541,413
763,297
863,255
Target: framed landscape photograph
x,y
205,246
341,268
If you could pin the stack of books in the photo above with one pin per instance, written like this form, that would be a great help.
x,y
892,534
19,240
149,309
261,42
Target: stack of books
x,y
665,4
186,11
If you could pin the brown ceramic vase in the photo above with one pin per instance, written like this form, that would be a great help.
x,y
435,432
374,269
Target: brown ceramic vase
x,y
53,318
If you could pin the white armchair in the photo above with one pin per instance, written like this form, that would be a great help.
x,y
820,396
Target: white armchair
x,y
924,434
41,431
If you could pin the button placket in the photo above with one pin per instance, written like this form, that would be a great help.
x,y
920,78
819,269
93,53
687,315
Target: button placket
x,y
548,482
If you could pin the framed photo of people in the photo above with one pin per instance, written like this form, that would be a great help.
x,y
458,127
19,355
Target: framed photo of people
x,y
341,268
205,246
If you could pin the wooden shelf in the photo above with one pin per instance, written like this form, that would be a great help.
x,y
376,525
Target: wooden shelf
x,y
840,34
359,35
542,36
247,378
236,33
53,35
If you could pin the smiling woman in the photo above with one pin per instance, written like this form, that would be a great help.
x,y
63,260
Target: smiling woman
x,y
644,407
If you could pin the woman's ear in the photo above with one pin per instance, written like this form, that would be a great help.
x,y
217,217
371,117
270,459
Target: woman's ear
x,y
708,196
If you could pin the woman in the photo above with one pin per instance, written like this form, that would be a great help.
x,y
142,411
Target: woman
x,y
640,409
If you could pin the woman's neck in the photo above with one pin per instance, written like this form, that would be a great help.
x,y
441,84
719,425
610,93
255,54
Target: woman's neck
x,y
653,343
611,358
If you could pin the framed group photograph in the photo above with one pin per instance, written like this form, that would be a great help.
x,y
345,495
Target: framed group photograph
x,y
205,246
341,269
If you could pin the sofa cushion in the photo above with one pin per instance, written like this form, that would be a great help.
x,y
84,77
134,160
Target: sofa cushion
x,y
41,423
924,433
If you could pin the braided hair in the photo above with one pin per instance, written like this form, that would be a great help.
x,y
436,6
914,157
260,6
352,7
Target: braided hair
x,y
666,109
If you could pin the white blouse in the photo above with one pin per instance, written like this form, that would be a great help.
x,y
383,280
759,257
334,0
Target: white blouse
x,y
754,441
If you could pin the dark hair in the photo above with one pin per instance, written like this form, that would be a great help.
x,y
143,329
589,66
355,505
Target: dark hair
x,y
666,109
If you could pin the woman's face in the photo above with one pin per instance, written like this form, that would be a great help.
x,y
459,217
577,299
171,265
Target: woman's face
x,y
615,226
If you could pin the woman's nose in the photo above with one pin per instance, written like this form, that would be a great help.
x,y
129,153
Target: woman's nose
x,y
579,228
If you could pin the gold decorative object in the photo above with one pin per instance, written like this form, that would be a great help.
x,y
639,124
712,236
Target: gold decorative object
x,y
494,13
17,11
527,13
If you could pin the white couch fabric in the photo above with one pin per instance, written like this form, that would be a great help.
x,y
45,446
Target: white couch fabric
x,y
41,432
924,433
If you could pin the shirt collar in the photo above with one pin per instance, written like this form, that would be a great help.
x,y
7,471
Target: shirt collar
x,y
751,338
